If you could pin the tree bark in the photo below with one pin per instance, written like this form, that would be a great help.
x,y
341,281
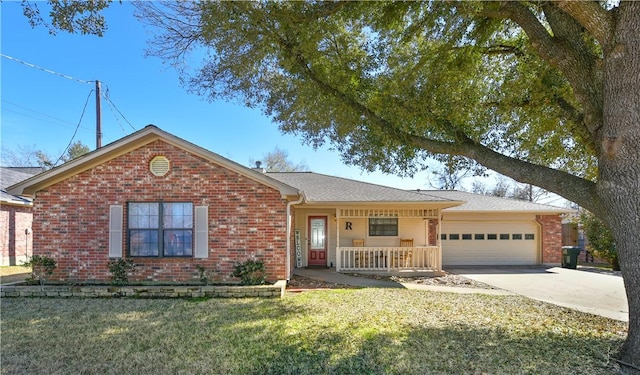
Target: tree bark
x,y
619,163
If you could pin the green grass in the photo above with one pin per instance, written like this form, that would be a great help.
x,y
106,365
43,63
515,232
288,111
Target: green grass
x,y
354,331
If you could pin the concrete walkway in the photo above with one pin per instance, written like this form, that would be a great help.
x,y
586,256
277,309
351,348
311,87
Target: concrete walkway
x,y
590,292
331,276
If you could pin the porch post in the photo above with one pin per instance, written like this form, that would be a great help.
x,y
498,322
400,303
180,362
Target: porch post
x,y
439,239
338,254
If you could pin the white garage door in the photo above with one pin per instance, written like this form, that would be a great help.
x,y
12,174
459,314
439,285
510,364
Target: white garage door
x,y
496,243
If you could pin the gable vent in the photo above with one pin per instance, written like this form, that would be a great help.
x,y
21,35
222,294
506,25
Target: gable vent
x,y
159,166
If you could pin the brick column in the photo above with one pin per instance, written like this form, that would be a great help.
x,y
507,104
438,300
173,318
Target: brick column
x,y
551,238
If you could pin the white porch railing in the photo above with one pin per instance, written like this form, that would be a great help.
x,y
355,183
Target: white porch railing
x,y
426,258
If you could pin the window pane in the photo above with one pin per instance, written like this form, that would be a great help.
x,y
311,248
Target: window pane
x,y
529,236
178,243
177,215
383,227
516,236
466,236
454,236
504,236
443,236
492,236
478,236
143,215
143,243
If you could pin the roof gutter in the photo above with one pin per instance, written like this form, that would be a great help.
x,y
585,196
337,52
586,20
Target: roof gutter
x,y
289,205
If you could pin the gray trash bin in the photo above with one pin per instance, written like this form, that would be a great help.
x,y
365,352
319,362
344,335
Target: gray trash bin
x,y
570,257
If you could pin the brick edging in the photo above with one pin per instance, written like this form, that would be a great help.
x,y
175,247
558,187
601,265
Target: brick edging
x,y
55,291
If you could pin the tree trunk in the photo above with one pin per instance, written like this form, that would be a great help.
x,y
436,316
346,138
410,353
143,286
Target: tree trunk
x,y
619,165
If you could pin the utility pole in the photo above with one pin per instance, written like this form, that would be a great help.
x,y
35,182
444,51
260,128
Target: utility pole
x,y
98,117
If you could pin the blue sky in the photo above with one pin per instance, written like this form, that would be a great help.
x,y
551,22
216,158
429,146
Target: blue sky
x,y
42,110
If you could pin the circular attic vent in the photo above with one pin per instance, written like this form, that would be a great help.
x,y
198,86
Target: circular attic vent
x,y
159,166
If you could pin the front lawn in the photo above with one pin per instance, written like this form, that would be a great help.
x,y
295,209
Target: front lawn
x,y
350,331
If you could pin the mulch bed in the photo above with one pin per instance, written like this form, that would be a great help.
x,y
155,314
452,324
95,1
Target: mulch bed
x,y
449,279
300,283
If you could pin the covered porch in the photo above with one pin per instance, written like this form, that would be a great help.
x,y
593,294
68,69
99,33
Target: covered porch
x,y
388,259
388,240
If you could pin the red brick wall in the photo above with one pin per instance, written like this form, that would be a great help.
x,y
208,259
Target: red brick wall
x,y
551,238
246,219
433,232
15,244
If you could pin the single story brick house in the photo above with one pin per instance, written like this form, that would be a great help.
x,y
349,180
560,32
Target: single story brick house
x,y
173,207
15,217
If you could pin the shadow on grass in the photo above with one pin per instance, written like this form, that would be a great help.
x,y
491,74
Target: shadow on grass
x,y
341,332
462,350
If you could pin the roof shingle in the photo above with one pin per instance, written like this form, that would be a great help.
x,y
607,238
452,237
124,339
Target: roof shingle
x,y
324,188
488,203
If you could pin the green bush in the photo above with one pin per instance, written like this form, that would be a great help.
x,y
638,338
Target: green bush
x,y
120,269
601,242
202,274
41,268
250,272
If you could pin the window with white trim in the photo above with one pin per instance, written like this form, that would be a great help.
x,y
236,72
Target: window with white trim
x,y
383,226
159,229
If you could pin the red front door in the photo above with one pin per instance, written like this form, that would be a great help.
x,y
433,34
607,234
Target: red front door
x,y
317,240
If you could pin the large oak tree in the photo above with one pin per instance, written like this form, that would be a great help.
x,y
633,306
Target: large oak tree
x,y
545,92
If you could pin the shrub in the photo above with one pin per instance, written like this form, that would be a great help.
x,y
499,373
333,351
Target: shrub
x,y
41,268
202,274
120,269
601,242
250,272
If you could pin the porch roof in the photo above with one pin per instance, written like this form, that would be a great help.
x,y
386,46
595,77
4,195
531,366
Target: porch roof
x,y
324,189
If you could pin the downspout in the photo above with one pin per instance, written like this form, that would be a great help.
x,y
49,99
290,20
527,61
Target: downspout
x,y
289,205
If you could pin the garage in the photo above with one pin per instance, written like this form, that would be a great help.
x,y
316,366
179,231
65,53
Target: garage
x,y
490,243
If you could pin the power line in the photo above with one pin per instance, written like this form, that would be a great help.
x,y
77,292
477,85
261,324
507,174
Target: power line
x,y
57,119
112,104
45,69
115,116
76,131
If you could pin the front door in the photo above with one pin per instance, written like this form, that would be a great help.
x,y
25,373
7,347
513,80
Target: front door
x,y
317,240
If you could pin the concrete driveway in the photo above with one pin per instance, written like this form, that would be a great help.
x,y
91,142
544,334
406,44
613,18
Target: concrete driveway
x,y
581,289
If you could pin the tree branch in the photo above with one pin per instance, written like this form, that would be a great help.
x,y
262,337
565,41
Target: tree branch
x,y
574,188
571,187
567,52
540,38
592,17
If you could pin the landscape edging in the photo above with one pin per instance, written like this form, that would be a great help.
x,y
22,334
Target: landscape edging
x,y
144,291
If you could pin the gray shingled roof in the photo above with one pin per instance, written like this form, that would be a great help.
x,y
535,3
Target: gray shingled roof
x,y
12,175
323,188
487,203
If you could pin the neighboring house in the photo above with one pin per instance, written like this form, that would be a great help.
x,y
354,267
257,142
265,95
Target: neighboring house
x,y
174,207
15,217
